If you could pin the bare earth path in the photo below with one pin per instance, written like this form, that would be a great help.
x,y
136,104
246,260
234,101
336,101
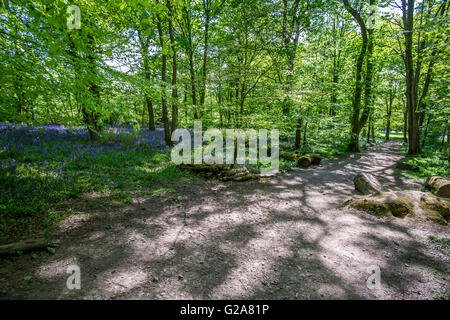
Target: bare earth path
x,y
285,238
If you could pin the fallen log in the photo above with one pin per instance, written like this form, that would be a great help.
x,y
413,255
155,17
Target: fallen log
x,y
233,174
406,166
288,155
366,184
214,168
235,171
440,185
246,177
309,159
26,245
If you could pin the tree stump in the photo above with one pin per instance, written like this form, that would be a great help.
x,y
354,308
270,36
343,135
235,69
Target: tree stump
x,y
309,159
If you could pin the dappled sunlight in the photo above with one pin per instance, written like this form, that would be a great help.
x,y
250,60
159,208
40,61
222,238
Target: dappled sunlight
x,y
284,238
56,268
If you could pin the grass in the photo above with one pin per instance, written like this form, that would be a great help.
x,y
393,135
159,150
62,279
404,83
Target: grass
x,y
430,162
392,135
41,169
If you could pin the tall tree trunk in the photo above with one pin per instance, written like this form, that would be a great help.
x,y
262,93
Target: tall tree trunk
x,y
207,8
389,103
92,117
298,133
174,70
151,114
305,131
167,137
144,42
411,84
358,123
405,121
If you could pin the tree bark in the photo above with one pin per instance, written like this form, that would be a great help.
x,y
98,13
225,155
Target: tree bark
x,y
411,84
358,123
165,119
207,9
174,69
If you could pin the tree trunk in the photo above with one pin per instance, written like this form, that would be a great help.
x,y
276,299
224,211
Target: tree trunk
x,y
405,122
174,70
205,56
411,84
304,132
298,134
26,245
167,137
151,114
389,103
144,43
356,123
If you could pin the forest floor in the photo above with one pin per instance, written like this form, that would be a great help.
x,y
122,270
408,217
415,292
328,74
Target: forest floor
x,y
287,237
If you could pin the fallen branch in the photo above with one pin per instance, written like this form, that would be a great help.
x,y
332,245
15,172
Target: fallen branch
x,y
26,245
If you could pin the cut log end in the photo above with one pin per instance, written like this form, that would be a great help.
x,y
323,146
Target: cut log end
x,y
309,159
440,185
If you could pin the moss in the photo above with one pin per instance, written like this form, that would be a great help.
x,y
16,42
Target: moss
x,y
372,206
439,206
400,207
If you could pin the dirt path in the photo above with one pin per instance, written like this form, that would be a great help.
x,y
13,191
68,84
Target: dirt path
x,y
284,238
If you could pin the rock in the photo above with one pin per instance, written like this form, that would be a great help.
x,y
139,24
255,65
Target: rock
x,y
406,166
400,207
440,185
419,205
367,184
309,159
371,205
440,206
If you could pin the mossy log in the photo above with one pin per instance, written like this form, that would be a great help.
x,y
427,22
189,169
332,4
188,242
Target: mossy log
x,y
309,159
221,172
288,155
204,168
367,184
246,177
26,245
235,171
440,185
436,204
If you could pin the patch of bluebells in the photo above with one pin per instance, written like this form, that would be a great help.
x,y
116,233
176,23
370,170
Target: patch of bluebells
x,y
44,164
